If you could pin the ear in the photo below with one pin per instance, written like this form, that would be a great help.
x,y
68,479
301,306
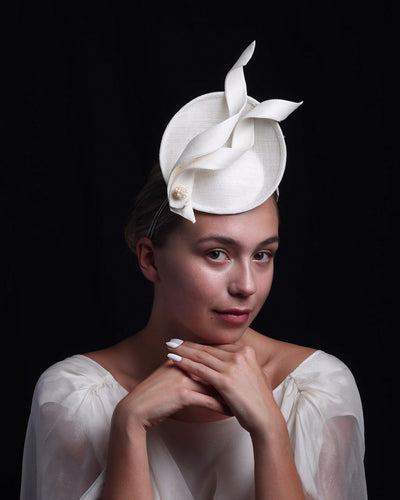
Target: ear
x,y
146,259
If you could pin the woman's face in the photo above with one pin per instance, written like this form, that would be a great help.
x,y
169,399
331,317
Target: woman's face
x,y
214,275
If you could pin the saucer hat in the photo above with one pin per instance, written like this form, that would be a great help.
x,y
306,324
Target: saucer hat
x,y
224,152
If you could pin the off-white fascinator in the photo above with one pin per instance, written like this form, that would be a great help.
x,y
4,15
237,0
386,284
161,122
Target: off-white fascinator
x,y
224,152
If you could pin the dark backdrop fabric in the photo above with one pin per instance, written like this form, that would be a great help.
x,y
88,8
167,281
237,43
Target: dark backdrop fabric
x,y
88,88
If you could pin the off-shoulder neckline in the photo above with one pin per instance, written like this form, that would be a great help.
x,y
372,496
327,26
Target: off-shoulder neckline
x,y
298,367
276,389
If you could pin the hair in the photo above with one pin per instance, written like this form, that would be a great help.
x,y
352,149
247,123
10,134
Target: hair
x,y
150,200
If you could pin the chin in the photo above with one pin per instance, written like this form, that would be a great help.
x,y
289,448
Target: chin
x,y
226,336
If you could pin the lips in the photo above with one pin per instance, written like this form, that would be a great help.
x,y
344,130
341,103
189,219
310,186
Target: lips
x,y
234,316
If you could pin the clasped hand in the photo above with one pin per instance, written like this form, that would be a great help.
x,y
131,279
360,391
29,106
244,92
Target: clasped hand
x,y
234,372
224,378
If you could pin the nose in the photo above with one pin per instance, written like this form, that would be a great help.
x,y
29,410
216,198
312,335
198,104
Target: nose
x,y
242,281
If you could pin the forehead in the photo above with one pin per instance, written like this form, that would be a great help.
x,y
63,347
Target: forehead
x,y
256,224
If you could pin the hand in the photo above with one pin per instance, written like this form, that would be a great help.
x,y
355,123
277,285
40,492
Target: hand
x,y
234,372
166,391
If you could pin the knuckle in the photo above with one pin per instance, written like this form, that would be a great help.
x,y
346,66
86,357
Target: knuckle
x,y
201,356
208,349
209,403
200,370
184,382
184,395
245,353
237,357
248,350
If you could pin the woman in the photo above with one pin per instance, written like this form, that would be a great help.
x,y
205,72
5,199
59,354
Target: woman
x,y
198,405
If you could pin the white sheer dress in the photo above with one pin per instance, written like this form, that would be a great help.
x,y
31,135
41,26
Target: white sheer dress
x,y
65,450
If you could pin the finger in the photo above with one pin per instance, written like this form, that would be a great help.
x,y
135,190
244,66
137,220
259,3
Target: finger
x,y
211,356
201,399
177,343
194,383
198,370
201,356
195,393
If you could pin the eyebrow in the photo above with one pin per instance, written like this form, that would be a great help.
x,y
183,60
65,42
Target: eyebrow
x,y
225,240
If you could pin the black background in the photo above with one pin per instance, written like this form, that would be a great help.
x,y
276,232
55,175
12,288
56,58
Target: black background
x,y
87,90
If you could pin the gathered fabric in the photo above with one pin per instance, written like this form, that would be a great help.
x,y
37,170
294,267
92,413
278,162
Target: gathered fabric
x,y
65,451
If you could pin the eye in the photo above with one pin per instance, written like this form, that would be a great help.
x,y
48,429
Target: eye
x,y
217,255
263,256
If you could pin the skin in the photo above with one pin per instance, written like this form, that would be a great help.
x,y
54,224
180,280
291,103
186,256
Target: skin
x,y
205,275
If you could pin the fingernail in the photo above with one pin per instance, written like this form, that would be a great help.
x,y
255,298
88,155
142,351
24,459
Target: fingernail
x,y
174,357
174,343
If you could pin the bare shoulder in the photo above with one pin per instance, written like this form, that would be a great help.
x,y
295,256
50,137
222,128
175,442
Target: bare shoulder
x,y
278,358
129,361
120,361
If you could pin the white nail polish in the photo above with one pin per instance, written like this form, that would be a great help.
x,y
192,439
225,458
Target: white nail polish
x,y
174,343
174,357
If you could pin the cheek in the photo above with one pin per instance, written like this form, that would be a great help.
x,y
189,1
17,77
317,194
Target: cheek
x,y
201,285
190,283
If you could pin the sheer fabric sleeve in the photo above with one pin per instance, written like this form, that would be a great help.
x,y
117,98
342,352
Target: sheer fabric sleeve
x,y
323,411
67,436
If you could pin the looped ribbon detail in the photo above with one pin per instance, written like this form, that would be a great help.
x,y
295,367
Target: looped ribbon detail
x,y
211,144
